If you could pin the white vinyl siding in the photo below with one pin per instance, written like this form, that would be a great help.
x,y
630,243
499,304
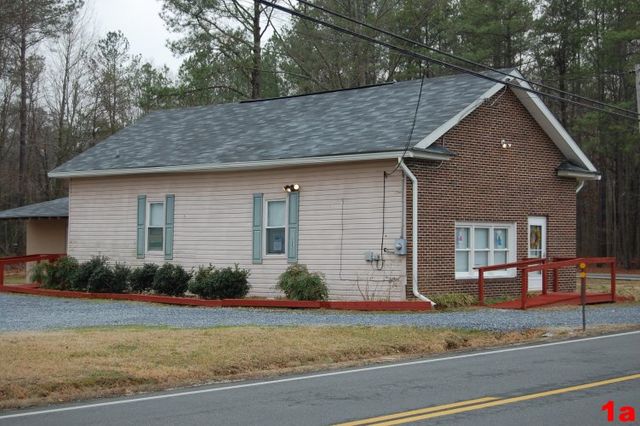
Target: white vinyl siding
x,y
340,218
483,244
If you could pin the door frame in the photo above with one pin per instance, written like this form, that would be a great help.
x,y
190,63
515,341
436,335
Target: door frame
x,y
535,278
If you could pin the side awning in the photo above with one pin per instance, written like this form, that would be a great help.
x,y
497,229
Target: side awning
x,y
54,209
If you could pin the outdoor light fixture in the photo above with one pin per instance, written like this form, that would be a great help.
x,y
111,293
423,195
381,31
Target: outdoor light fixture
x,y
505,144
294,187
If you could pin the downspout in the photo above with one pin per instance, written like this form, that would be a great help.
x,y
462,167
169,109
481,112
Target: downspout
x,y
414,233
580,185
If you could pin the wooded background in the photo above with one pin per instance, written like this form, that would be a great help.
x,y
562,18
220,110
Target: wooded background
x,y
63,89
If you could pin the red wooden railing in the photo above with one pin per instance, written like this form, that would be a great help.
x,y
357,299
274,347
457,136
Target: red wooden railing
x,y
544,265
568,263
519,265
16,260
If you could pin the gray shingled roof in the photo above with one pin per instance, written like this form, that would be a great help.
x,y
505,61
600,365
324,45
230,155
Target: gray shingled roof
x,y
47,209
355,121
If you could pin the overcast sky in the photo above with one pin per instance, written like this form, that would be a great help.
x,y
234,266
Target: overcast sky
x,y
140,22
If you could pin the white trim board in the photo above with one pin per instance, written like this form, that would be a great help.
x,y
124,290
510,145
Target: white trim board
x,y
538,110
254,165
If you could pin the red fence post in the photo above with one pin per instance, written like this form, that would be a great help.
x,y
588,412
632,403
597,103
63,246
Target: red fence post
x,y
613,280
1,273
545,277
524,290
481,286
555,280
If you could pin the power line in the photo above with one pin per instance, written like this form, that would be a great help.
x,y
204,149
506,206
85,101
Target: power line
x,y
460,58
422,57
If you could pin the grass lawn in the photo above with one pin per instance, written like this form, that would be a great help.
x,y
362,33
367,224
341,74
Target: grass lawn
x,y
55,366
15,279
623,288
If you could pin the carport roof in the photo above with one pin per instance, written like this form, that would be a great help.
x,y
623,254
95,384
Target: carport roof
x,y
58,208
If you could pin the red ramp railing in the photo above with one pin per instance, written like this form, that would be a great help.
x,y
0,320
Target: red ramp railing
x,y
17,260
527,266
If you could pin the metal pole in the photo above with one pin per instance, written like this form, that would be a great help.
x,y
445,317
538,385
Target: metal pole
x,y
583,294
524,289
638,91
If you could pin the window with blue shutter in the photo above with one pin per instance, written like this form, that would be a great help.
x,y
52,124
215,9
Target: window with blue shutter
x,y
292,244
257,229
168,226
142,215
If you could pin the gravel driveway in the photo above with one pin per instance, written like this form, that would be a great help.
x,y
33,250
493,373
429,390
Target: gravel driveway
x,y
19,312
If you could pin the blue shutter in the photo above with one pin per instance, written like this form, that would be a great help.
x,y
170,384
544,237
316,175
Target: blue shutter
x,y
292,244
142,206
168,226
257,228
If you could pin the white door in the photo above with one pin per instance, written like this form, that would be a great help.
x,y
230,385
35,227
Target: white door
x,y
537,247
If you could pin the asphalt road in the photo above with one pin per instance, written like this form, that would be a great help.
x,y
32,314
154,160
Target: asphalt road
x,y
560,383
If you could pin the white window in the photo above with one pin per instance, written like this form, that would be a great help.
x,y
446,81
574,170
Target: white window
x,y
275,227
483,244
155,227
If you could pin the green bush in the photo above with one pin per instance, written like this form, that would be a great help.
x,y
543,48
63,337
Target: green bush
x,y
225,283
101,280
61,273
298,283
39,273
107,279
453,300
85,270
121,275
141,279
171,280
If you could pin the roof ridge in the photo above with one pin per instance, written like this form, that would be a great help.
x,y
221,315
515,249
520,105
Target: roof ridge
x,y
322,92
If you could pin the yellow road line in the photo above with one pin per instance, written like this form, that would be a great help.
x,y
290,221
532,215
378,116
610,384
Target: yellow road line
x,y
415,412
401,418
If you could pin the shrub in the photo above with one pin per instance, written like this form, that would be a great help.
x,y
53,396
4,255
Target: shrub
x,y
61,273
101,279
225,283
141,279
171,280
298,283
85,270
202,283
39,273
453,300
121,274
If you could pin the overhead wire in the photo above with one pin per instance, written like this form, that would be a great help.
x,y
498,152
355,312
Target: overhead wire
x,y
460,58
423,57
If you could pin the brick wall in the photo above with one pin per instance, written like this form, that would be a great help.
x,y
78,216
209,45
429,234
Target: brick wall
x,y
486,183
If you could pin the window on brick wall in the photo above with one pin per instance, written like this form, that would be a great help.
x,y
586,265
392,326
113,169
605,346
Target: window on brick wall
x,y
483,244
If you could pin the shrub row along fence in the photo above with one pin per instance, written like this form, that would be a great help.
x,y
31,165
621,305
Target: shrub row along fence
x,y
97,275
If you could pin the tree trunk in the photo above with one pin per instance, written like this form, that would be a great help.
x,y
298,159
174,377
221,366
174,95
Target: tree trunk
x,y
63,107
256,75
22,174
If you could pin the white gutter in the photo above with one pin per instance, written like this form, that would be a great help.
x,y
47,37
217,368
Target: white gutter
x,y
578,175
255,165
580,185
414,233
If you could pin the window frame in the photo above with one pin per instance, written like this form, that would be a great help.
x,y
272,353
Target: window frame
x,y
265,226
511,250
148,226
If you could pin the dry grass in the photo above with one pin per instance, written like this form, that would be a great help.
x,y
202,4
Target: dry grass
x,y
623,288
15,278
41,367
